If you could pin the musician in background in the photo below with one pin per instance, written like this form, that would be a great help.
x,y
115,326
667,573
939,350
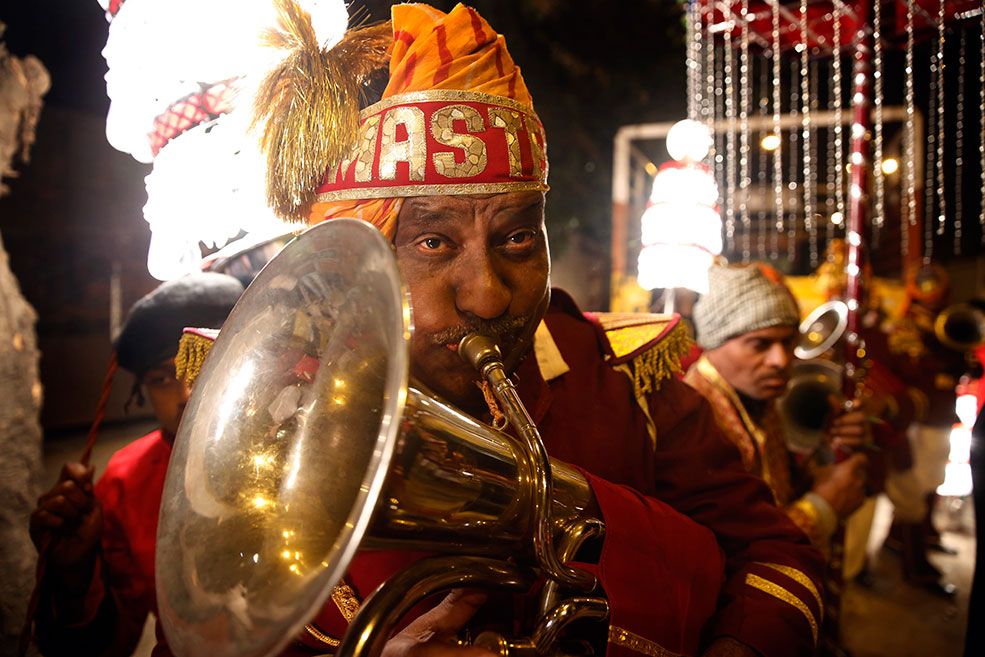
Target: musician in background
x,y
451,167
932,370
747,325
99,578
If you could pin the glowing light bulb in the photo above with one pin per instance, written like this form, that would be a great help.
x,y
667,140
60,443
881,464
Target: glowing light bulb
x,y
688,141
770,142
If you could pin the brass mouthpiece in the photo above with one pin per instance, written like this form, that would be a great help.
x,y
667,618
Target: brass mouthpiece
x,y
479,351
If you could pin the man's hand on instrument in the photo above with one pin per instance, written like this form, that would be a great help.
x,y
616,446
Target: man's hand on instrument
x,y
851,429
434,633
844,486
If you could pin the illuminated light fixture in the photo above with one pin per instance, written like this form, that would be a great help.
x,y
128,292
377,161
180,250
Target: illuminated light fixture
x,y
688,141
770,142
890,166
185,106
837,218
682,228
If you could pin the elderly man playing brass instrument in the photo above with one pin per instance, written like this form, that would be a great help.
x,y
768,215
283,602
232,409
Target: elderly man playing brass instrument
x,y
747,326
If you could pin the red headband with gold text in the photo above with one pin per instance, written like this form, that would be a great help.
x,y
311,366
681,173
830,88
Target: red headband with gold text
x,y
442,142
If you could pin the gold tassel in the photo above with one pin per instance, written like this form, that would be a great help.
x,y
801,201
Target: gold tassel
x,y
661,362
308,106
192,350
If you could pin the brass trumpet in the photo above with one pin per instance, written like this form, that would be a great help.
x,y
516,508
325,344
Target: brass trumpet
x,y
304,442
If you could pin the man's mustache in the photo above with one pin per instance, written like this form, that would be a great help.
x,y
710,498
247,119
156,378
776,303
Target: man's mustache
x,y
504,330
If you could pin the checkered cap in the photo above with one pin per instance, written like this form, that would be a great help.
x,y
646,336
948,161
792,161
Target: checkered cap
x,y
741,299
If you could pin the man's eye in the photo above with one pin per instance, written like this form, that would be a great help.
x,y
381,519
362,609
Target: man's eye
x,y
431,243
521,237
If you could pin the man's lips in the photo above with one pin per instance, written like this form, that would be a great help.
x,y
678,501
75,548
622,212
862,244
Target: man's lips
x,y
452,347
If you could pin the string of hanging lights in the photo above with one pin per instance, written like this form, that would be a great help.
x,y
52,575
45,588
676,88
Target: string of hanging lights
x,y
736,79
910,138
959,144
745,180
981,116
795,155
762,105
878,176
806,127
730,118
777,131
941,80
838,101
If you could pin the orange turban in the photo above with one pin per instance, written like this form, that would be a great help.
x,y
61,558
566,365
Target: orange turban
x,y
455,118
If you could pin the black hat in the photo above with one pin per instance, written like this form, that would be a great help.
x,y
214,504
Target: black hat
x,y
153,326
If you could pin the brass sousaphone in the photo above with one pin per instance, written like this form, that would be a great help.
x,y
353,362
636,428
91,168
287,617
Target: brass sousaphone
x,y
304,441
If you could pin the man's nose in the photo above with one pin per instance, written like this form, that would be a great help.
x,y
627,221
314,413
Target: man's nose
x,y
778,356
481,289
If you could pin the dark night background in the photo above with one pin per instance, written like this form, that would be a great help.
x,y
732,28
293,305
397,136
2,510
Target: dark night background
x,y
74,214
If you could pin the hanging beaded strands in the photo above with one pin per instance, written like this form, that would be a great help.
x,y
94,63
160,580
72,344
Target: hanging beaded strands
x,y
777,132
929,194
792,224
806,133
830,166
710,104
693,61
878,179
745,180
941,79
762,109
815,73
959,146
838,129
981,119
909,140
730,117
721,139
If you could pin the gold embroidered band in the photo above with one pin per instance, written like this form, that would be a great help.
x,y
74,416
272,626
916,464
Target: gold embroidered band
x,y
441,142
798,577
781,593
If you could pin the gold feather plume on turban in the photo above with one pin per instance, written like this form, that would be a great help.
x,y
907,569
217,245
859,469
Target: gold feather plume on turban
x,y
308,106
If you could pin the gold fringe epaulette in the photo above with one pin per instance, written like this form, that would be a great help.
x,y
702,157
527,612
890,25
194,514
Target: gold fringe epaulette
x,y
653,345
193,347
647,348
